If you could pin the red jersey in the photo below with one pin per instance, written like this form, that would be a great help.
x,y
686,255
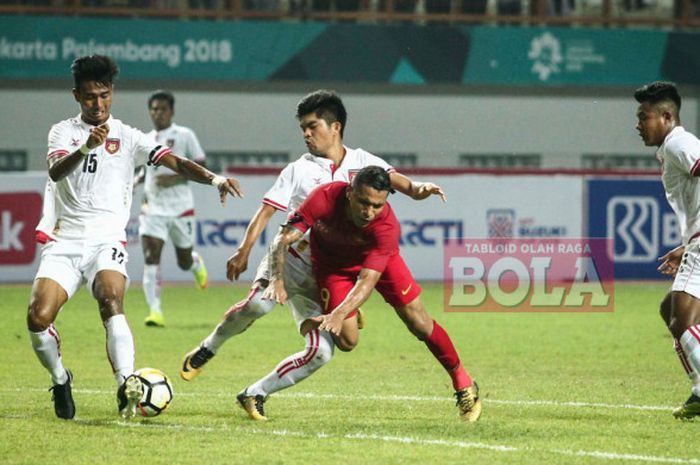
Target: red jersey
x,y
336,243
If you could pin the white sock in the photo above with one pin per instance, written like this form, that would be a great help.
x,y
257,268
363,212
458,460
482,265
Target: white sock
x,y
151,287
196,262
694,377
120,347
296,367
239,318
690,342
47,347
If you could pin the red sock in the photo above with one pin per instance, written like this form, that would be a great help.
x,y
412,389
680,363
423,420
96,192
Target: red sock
x,y
442,348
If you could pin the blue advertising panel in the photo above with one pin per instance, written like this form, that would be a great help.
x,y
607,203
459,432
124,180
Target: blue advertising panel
x,y
633,213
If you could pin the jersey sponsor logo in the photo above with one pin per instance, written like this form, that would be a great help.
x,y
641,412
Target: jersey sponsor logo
x,y
170,142
112,146
351,174
74,142
19,214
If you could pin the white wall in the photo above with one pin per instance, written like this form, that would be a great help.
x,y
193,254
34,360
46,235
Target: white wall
x,y
437,127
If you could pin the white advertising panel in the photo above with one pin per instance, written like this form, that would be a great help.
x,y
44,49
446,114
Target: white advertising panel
x,y
478,207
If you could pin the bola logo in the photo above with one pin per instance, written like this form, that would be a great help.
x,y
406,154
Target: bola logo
x,y
528,275
545,53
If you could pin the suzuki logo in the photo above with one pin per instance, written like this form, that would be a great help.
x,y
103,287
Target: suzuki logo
x,y
633,224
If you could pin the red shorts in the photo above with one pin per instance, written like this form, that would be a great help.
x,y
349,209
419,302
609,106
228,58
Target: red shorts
x,y
396,285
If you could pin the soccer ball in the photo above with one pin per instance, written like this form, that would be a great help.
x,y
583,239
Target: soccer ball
x,y
157,392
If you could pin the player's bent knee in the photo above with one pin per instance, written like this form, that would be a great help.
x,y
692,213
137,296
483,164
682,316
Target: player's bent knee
x,y
184,264
109,306
325,349
257,307
679,323
324,354
38,318
345,344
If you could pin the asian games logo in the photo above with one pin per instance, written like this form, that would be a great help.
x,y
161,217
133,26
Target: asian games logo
x,y
545,52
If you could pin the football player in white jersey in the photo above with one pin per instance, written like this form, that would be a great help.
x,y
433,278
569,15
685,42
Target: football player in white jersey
x,y
322,117
659,125
168,208
91,160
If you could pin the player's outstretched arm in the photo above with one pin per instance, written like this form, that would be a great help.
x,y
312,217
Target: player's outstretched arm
x,y
197,173
414,189
238,262
62,167
287,236
671,261
170,180
358,295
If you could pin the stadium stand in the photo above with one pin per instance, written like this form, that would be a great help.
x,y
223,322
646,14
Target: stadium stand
x,y
659,13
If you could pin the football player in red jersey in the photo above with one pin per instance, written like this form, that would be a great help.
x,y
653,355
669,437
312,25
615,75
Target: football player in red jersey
x,y
354,249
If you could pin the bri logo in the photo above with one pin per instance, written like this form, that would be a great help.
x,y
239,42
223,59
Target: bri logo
x,y
634,223
19,214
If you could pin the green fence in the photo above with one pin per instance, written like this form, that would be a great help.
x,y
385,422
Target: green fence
x,y
43,47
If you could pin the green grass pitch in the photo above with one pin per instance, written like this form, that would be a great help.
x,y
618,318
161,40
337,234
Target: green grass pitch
x,y
557,389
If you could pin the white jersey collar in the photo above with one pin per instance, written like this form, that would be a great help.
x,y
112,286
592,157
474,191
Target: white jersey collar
x,y
88,126
662,148
325,162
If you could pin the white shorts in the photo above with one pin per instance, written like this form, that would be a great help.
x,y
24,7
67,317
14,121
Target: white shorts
x,y
73,263
303,297
179,229
688,276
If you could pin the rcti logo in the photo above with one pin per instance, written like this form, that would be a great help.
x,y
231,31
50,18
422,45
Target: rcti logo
x,y
528,275
19,215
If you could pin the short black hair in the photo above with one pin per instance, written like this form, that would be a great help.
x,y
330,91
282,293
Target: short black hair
x,y
658,92
325,104
98,68
375,177
161,94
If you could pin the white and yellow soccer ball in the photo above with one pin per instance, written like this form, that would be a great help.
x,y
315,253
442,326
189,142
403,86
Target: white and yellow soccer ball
x,y
157,392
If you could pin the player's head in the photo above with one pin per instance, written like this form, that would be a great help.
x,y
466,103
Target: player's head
x,y
367,195
161,108
658,111
93,79
322,118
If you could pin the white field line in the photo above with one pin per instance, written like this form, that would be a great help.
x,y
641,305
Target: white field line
x,y
533,403
602,455
394,398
